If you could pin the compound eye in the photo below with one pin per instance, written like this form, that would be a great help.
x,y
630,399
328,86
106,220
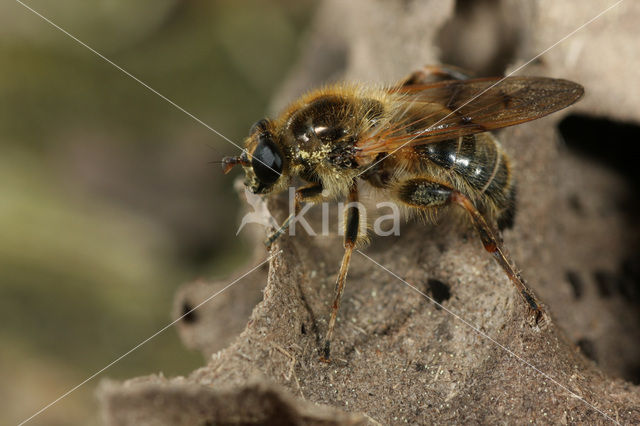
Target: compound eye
x,y
259,126
266,160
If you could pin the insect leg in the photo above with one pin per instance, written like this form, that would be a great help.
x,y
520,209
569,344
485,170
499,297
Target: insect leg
x,y
352,231
303,194
424,193
435,73
494,246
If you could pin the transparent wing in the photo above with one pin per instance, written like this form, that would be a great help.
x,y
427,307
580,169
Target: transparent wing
x,y
449,109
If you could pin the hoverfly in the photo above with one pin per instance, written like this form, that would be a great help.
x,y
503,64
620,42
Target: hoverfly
x,y
424,143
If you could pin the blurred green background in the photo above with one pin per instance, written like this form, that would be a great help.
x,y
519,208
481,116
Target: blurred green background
x,y
108,199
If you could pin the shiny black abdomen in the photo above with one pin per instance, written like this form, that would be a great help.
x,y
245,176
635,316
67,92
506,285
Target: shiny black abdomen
x,y
479,161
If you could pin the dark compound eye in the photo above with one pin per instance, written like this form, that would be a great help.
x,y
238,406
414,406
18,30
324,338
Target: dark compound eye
x,y
259,126
266,160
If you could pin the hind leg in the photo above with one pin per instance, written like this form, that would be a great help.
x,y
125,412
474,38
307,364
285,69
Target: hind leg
x,y
423,193
433,74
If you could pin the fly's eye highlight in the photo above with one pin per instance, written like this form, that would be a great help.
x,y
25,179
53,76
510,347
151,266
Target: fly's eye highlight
x,y
266,160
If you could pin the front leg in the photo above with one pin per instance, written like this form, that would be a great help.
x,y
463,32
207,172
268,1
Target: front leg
x,y
303,194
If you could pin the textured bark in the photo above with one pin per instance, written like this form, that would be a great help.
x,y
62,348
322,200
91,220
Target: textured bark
x,y
396,356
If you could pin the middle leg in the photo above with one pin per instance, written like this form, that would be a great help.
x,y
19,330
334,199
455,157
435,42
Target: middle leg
x,y
353,233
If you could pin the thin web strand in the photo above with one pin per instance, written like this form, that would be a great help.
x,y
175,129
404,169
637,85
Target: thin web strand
x,y
485,335
142,83
498,82
76,387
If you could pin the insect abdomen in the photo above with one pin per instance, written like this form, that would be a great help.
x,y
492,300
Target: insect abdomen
x,y
479,161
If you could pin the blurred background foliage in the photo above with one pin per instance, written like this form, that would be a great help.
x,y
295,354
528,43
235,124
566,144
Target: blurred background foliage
x,y
108,200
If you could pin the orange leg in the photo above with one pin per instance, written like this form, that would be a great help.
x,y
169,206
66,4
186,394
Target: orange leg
x,y
302,195
494,246
434,73
352,229
423,193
